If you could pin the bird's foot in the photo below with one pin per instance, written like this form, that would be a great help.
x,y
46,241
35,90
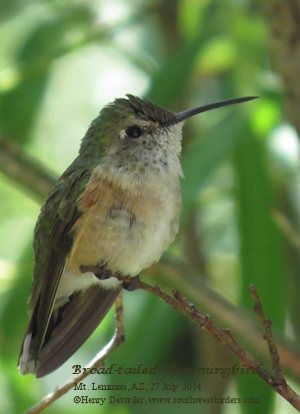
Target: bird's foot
x,y
103,274
101,271
132,283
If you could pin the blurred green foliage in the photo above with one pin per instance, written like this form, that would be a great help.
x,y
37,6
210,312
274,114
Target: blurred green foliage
x,y
60,62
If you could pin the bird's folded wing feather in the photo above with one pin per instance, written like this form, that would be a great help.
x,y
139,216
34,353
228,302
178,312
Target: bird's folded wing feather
x,y
52,243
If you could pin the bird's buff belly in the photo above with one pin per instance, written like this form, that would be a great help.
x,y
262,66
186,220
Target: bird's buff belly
x,y
121,240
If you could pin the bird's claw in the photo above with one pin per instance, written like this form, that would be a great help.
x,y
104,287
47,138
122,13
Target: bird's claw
x,y
132,283
104,274
100,270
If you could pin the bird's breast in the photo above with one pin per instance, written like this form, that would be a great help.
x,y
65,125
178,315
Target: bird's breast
x,y
126,228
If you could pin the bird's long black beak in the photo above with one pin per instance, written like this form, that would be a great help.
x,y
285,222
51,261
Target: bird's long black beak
x,y
182,116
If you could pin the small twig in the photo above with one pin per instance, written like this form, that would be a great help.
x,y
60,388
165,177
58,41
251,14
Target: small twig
x,y
97,362
268,336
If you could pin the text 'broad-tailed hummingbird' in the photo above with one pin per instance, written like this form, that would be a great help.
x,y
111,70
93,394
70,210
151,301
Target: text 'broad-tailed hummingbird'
x,y
117,206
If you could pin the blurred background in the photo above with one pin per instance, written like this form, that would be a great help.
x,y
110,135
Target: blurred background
x,y
60,62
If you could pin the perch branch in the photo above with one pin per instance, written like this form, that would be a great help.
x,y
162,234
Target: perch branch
x,y
181,304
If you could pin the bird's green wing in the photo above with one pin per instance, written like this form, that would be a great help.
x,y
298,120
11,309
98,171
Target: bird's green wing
x,y
52,243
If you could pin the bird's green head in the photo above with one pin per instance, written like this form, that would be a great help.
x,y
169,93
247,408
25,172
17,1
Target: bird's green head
x,y
136,133
124,125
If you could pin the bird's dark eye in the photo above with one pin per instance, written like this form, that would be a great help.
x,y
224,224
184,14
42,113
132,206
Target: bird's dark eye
x,y
133,131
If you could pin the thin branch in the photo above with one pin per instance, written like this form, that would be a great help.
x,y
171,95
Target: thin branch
x,y
279,382
268,336
98,362
180,303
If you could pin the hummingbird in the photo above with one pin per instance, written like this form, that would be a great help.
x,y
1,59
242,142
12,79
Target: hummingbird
x,y
117,207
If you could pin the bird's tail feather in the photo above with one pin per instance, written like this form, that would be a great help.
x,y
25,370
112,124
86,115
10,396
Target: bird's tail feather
x,y
67,331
